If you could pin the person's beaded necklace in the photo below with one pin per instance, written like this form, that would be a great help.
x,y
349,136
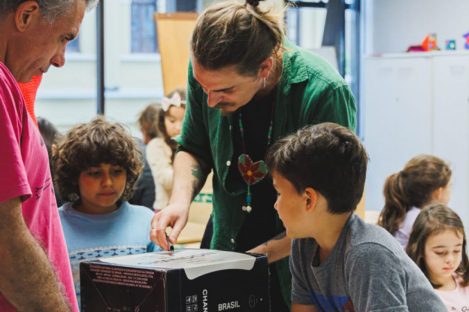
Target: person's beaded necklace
x,y
252,172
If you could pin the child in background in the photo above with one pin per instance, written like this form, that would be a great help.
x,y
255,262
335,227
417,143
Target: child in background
x,y
424,180
50,134
96,168
338,262
51,137
149,128
437,244
145,190
161,150
148,122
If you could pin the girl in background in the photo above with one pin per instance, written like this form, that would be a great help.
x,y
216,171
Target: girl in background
x,y
424,180
161,150
97,166
437,244
148,122
51,137
144,194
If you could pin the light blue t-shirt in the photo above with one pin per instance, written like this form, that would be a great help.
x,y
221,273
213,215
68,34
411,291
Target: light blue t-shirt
x,y
125,231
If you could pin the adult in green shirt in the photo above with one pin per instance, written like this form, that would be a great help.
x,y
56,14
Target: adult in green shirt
x,y
247,87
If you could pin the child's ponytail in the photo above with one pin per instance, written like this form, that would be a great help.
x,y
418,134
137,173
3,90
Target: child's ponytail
x,y
411,187
395,206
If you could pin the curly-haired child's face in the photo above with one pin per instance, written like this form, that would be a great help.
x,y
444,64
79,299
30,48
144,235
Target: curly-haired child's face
x,y
100,188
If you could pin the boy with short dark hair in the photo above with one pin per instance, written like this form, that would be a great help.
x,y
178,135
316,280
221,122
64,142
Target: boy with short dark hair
x,y
338,262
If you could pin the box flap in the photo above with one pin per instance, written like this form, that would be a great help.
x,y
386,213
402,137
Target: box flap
x,y
194,262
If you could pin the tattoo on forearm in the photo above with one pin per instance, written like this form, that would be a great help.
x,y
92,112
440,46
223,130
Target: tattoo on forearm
x,y
199,178
197,172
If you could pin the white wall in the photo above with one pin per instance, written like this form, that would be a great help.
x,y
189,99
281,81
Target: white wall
x,y
392,25
68,95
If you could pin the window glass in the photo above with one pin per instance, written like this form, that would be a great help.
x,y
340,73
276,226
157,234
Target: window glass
x,y
67,95
74,45
143,27
133,79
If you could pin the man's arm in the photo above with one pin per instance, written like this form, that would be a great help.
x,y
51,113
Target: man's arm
x,y
275,249
190,174
27,279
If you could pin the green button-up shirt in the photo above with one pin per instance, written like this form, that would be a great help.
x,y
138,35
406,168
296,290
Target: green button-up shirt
x,y
310,91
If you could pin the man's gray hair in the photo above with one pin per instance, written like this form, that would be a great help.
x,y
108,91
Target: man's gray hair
x,y
50,9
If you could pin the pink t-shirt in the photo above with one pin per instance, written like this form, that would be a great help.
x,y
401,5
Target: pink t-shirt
x,y
456,300
24,172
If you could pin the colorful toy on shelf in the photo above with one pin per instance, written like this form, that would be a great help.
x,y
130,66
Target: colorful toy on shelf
x,y
466,44
415,48
451,44
429,42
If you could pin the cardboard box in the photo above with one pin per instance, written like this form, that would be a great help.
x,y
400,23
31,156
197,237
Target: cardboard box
x,y
187,280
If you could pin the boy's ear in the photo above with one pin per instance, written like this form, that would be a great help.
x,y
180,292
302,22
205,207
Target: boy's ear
x,y
311,198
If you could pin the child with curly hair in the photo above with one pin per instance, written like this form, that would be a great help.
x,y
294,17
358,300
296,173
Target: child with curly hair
x,y
97,166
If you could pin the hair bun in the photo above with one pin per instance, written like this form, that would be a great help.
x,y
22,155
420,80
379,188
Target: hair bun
x,y
253,3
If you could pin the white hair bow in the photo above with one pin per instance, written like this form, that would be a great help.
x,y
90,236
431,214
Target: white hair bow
x,y
174,100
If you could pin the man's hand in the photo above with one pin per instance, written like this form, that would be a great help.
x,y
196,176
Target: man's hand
x,y
190,174
174,216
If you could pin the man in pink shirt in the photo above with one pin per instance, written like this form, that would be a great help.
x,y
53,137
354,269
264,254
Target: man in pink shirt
x,y
34,267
